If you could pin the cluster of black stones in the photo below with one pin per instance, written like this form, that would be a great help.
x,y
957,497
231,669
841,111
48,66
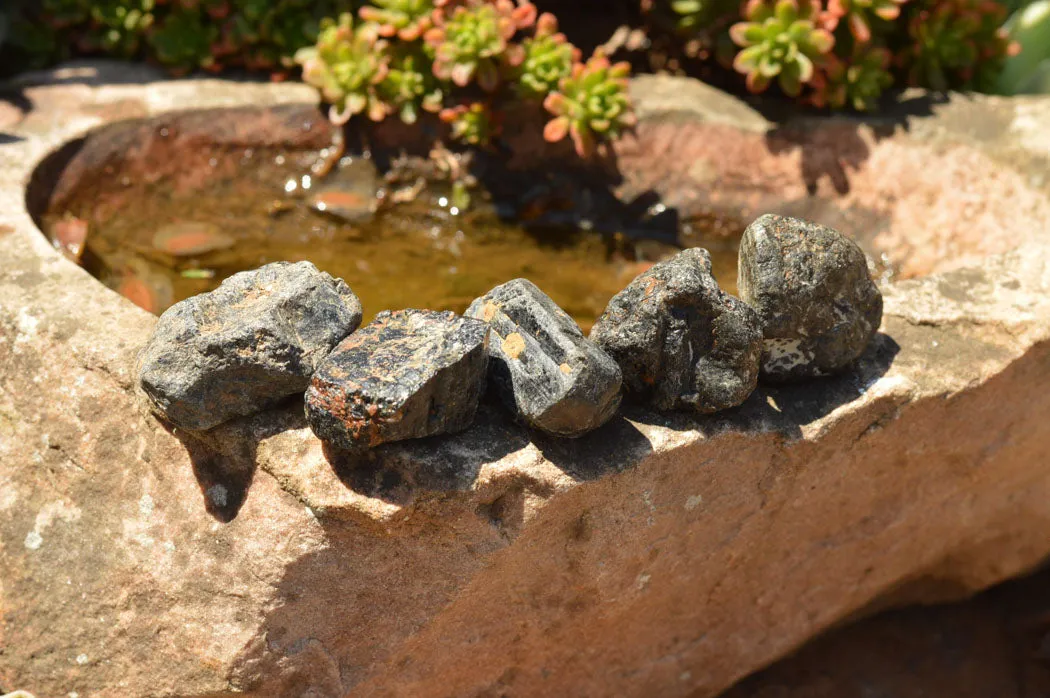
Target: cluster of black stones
x,y
672,340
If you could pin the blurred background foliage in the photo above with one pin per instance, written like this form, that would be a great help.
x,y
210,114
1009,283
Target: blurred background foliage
x,y
824,53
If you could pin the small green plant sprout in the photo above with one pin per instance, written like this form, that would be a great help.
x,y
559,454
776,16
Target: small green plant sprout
x,y
782,41
346,66
549,58
696,15
858,83
405,19
471,42
410,85
860,15
472,123
591,103
957,44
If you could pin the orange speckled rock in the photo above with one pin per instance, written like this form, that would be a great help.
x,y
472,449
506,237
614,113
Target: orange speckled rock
x,y
407,375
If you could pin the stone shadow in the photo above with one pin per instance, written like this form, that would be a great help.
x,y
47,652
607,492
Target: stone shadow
x,y
837,147
399,471
786,407
615,447
18,100
224,458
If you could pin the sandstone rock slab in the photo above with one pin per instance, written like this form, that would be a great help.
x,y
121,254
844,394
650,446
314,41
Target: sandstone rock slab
x,y
681,341
814,294
544,368
664,554
407,375
246,345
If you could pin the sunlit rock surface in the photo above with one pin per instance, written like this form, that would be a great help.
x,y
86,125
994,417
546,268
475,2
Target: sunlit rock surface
x,y
659,555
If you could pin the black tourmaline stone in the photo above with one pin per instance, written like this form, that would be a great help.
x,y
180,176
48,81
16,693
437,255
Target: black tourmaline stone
x,y
544,369
246,345
682,342
814,294
409,374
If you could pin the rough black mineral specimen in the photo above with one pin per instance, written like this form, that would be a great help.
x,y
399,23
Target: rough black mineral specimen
x,y
814,294
544,369
246,345
408,374
682,342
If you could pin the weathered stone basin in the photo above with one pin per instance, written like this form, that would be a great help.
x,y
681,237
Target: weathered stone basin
x,y
663,555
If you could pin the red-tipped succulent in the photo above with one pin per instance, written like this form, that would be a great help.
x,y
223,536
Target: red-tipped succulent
x,y
783,41
591,104
472,41
405,19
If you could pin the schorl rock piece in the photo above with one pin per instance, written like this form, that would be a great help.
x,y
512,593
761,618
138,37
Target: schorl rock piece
x,y
246,345
812,289
409,374
681,341
545,370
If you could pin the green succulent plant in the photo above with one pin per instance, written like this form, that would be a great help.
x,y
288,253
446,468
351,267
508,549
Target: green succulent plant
x,y
591,104
405,19
471,123
346,66
548,60
957,44
858,83
410,85
781,41
471,41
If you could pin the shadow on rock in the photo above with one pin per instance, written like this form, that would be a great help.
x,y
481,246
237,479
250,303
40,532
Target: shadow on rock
x,y
615,447
786,407
224,458
841,144
397,472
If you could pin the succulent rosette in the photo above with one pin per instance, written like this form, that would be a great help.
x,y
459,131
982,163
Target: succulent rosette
x,y
857,83
472,123
405,19
409,86
548,60
470,41
781,41
957,44
591,104
346,66
860,15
